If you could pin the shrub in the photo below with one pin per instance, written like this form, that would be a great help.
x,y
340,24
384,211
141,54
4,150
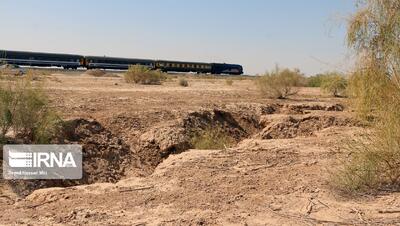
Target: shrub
x,y
183,82
229,82
374,161
6,108
280,83
212,138
25,110
334,84
144,75
49,126
375,89
315,80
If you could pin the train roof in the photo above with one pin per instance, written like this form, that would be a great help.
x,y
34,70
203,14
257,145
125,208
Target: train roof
x,y
227,64
39,53
117,58
181,62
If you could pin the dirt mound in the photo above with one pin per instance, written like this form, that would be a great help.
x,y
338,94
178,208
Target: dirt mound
x,y
290,127
105,157
305,108
99,73
175,137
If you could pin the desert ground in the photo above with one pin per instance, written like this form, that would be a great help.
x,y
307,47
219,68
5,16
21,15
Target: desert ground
x,y
140,169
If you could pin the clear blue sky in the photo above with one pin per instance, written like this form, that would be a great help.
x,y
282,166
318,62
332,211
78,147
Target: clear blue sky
x,y
306,34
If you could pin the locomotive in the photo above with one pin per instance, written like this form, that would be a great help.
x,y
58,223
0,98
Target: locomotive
x,y
71,61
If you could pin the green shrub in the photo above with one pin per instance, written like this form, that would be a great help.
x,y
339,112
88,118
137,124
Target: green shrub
x,y
25,110
6,108
49,126
144,75
183,82
334,84
229,82
280,83
315,80
212,138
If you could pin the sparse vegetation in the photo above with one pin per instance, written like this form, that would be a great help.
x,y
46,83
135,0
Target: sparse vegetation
x,y
229,82
24,109
375,87
334,84
143,75
280,83
183,82
212,138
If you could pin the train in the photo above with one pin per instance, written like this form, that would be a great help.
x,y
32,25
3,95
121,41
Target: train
x,y
72,61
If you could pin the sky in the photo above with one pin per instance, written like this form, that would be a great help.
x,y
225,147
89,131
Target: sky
x,y
258,34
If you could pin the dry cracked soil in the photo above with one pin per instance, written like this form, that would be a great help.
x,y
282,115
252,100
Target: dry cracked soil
x,y
141,169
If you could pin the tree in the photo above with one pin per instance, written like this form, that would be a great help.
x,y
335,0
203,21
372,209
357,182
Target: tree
x,y
374,33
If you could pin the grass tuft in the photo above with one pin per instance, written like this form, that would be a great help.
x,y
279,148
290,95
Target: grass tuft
x,y
183,82
212,139
229,82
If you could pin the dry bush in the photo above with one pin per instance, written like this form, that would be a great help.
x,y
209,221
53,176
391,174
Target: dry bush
x,y
183,82
144,75
24,109
280,83
8,71
229,82
96,72
34,75
212,138
375,88
374,161
334,84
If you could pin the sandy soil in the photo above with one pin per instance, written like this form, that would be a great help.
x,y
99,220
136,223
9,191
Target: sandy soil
x,y
277,174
